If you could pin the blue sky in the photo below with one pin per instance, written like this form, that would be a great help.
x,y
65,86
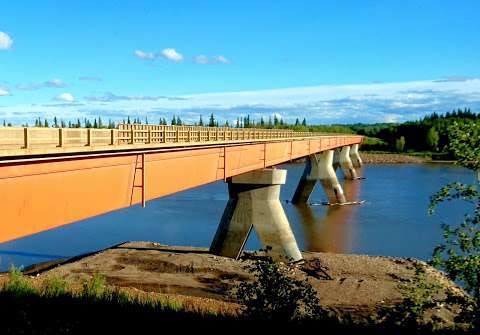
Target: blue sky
x,y
343,61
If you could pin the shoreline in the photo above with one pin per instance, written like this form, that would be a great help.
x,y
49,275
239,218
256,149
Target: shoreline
x,y
356,286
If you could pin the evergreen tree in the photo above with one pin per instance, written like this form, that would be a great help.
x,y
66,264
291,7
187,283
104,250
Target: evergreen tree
x,y
100,124
55,122
304,122
200,122
78,125
128,119
211,122
179,121
174,121
45,124
262,122
95,124
297,122
62,124
4,123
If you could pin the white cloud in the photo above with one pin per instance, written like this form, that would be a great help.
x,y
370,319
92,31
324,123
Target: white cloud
x,y
201,59
221,59
3,92
54,83
144,55
5,41
172,55
378,102
66,97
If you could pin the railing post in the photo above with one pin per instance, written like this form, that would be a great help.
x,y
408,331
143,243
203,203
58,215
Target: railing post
x,y
149,135
60,137
89,137
25,138
132,135
112,136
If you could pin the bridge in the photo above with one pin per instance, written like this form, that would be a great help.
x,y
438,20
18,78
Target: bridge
x,y
51,177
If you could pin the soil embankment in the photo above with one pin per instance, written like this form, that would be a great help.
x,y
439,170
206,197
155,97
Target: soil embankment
x,y
355,284
376,158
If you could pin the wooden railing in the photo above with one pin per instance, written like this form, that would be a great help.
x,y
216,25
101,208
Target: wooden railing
x,y
13,138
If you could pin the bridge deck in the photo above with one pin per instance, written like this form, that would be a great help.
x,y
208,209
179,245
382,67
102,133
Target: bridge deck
x,y
105,173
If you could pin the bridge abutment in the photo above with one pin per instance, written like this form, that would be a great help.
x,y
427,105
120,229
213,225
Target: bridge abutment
x,y
346,163
255,202
319,167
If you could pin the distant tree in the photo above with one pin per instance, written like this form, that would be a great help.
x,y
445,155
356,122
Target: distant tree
x,y
432,139
226,124
100,123
55,122
78,125
269,122
95,124
275,121
179,121
400,144
200,122
62,124
45,124
211,122
262,122
174,121
297,122
4,123
304,122
128,120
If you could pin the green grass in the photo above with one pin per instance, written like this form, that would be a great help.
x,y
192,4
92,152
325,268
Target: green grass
x,y
52,307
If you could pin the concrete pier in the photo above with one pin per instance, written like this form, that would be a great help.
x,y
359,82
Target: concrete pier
x,y
319,167
255,202
346,163
355,156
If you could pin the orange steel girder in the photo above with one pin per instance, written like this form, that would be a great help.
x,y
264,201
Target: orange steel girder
x,y
41,194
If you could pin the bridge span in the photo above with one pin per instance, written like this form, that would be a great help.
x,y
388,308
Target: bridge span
x,y
50,177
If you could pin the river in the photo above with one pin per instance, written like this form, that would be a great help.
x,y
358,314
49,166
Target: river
x,y
392,221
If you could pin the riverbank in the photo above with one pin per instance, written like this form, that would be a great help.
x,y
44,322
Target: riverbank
x,y
353,285
392,158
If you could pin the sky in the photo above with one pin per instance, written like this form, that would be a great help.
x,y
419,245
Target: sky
x,y
327,61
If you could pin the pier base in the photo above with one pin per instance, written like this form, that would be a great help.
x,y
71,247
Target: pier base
x,y
346,163
319,167
255,202
355,156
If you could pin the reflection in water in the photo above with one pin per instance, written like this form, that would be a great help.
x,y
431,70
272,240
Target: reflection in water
x,y
333,232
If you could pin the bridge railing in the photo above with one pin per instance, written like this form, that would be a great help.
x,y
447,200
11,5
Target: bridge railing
x,y
14,138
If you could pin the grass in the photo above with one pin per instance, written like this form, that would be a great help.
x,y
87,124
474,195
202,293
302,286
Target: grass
x,y
53,306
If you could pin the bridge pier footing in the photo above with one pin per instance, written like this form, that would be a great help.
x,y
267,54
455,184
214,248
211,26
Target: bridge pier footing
x,y
346,163
255,202
319,167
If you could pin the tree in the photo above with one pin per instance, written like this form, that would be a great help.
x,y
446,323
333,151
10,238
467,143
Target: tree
x,y
45,124
400,144
297,122
211,122
174,121
304,122
179,121
459,254
432,139
200,122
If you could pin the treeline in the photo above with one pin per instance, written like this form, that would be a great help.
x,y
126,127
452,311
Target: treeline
x,y
272,122
427,134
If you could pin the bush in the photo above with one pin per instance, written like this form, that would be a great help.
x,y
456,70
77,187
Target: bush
x,y
275,295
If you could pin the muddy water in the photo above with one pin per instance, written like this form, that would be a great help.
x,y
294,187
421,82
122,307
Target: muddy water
x,y
392,221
